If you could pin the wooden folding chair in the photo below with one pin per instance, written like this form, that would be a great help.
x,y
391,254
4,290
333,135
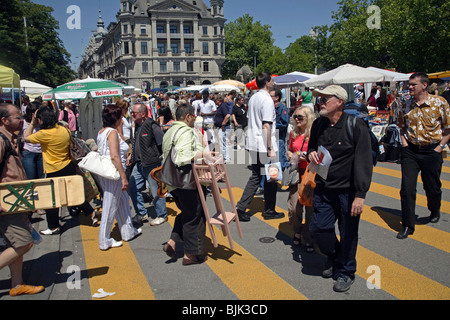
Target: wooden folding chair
x,y
213,174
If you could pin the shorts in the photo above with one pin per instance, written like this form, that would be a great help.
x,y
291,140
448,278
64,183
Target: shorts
x,y
15,229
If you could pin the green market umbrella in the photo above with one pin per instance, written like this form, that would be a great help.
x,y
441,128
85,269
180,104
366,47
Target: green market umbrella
x,y
78,89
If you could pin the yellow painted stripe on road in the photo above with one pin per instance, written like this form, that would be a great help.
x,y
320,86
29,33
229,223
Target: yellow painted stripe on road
x,y
115,270
431,236
246,276
394,193
398,174
446,169
396,279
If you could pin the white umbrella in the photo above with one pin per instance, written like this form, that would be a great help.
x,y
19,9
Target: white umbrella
x,y
224,88
391,75
345,74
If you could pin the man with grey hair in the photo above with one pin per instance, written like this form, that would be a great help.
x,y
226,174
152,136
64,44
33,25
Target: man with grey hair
x,y
341,195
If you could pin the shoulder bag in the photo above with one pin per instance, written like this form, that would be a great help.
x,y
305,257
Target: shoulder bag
x,y
179,177
100,165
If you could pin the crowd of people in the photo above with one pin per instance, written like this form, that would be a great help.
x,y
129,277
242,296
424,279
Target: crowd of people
x,y
139,137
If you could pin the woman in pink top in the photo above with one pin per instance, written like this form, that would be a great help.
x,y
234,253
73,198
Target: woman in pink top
x,y
302,120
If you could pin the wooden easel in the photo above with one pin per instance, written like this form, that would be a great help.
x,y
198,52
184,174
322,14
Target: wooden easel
x,y
213,174
51,193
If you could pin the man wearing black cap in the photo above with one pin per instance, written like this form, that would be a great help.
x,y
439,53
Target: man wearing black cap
x,y
341,195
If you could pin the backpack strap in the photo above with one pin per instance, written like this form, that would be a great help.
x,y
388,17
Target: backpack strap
x,y
8,152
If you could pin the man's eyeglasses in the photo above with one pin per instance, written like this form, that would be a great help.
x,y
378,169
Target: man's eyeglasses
x,y
299,118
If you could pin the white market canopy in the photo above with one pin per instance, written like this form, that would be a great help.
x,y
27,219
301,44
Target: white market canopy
x,y
79,89
33,88
345,74
391,75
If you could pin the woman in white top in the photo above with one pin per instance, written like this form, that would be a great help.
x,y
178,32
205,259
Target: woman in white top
x,y
115,197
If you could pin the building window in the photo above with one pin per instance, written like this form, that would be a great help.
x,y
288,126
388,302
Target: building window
x,y
125,28
205,66
215,31
173,29
174,47
163,67
144,49
205,48
176,66
216,48
187,29
160,29
144,67
143,29
161,48
190,66
188,48
126,47
205,30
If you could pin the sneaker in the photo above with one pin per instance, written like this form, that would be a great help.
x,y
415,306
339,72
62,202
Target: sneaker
x,y
327,271
49,232
25,289
343,283
272,215
116,244
158,221
139,218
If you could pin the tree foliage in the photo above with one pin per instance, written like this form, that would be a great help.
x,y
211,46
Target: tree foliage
x,y
44,60
414,35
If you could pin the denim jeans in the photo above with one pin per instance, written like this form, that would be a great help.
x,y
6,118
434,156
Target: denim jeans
x,y
138,179
32,163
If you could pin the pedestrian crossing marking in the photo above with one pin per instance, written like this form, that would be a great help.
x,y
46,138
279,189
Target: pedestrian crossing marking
x,y
122,268
394,193
232,269
398,280
398,174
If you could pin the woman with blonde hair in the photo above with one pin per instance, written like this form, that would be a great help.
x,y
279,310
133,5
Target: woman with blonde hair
x,y
302,120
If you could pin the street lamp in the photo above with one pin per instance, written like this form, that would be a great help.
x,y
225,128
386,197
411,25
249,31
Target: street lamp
x,y
313,36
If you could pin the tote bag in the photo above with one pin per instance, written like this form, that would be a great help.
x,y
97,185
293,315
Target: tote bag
x,y
100,165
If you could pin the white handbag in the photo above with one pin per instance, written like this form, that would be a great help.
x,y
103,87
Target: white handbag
x,y
100,165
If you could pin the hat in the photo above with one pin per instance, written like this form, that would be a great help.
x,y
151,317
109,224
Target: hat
x,y
332,90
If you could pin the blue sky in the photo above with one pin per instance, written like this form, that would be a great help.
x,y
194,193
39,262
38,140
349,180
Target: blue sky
x,y
289,19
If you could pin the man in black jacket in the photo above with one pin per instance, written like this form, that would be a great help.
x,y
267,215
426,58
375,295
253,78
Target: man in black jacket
x,y
341,195
146,155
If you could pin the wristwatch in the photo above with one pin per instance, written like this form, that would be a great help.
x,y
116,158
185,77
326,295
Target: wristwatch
x,y
269,148
442,145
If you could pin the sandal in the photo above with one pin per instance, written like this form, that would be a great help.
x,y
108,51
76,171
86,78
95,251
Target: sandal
x,y
297,239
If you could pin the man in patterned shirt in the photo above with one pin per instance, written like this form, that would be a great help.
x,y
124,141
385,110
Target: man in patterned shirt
x,y
424,121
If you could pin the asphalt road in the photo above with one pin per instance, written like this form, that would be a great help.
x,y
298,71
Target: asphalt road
x,y
264,265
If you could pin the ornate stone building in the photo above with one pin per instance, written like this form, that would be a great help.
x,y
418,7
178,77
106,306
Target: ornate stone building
x,y
159,43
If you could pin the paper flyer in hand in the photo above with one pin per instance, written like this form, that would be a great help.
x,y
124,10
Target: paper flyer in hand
x,y
324,163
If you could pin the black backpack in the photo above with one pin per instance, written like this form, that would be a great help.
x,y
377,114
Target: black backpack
x,y
351,122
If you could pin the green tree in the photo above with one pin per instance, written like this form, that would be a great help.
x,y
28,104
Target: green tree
x,y
245,41
414,35
35,52
300,55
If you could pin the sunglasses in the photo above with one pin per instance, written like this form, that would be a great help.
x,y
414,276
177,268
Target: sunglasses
x,y
324,100
299,118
